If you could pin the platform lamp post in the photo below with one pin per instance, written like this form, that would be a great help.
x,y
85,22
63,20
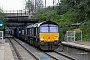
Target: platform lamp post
x,y
45,3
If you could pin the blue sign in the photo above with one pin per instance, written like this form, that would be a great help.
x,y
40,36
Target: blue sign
x,y
45,58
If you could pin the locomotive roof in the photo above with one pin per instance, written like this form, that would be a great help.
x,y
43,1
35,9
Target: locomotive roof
x,y
41,23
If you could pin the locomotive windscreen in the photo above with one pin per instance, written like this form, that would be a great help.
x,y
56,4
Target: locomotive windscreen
x,y
48,28
53,28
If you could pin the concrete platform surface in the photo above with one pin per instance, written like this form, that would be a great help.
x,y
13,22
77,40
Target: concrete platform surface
x,y
5,52
80,46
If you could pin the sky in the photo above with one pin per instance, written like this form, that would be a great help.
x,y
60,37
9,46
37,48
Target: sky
x,y
12,4
17,4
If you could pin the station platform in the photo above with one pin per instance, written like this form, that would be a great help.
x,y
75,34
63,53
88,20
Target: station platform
x,y
85,45
5,52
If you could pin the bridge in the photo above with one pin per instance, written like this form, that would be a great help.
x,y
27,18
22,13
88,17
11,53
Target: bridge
x,y
17,18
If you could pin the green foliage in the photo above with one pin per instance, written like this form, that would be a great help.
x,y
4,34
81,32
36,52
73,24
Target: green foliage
x,y
86,30
2,17
41,15
46,13
67,13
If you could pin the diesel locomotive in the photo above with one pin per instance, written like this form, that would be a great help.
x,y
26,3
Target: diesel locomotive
x,y
44,35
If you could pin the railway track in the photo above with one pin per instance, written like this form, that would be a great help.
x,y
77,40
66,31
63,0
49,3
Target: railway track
x,y
35,54
34,51
65,55
53,55
21,53
58,56
13,50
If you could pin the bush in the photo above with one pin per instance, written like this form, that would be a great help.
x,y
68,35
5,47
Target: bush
x,y
86,30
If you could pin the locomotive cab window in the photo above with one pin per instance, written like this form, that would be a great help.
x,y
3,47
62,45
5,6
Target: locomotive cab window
x,y
53,28
44,28
48,28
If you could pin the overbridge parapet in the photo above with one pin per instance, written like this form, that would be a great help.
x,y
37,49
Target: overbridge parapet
x,y
11,13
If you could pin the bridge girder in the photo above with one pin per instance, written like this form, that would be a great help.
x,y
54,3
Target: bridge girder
x,y
19,19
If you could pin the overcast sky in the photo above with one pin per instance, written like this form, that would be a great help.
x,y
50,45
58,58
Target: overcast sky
x,y
12,4
17,4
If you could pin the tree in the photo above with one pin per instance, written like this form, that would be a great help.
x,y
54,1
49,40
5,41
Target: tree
x,y
34,5
2,16
69,12
29,5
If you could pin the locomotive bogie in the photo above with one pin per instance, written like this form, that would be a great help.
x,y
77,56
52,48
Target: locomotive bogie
x,y
48,46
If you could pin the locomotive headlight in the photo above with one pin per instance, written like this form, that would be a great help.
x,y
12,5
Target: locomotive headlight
x,y
55,39
42,39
